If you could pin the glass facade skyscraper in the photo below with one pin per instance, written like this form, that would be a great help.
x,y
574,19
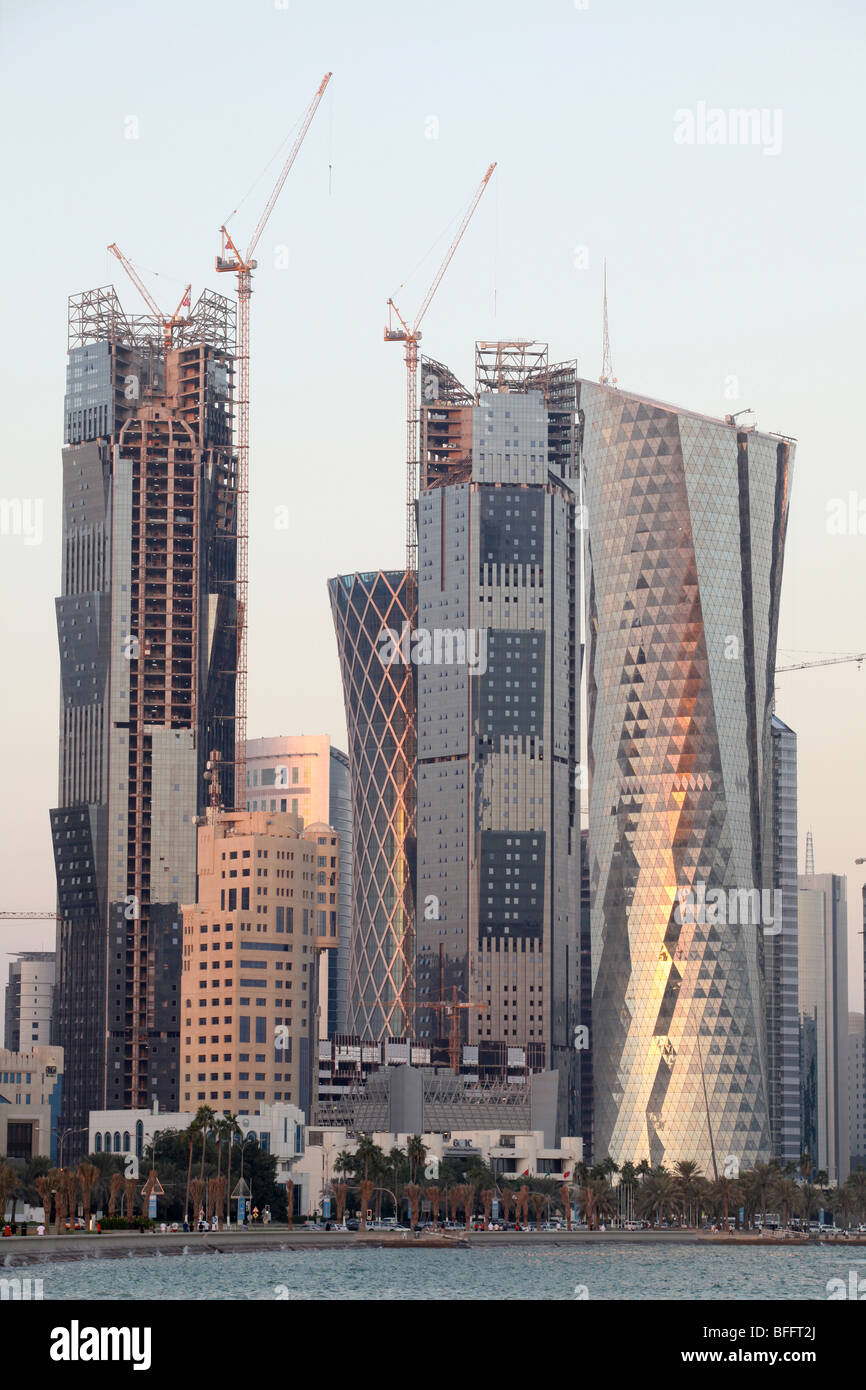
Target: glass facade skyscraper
x,y
379,698
685,534
823,1003
781,968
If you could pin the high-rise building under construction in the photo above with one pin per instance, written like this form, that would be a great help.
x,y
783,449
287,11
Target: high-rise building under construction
x,y
147,630
496,652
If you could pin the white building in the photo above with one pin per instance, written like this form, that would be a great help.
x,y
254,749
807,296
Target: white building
x,y
278,1129
511,1157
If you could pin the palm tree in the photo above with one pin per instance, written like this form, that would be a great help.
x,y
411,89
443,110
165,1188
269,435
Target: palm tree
x,y
188,1137
413,1192
43,1187
565,1198
656,1196
787,1194
88,1176
487,1195
367,1186
810,1196
230,1128
686,1186
204,1122
114,1192
8,1184
539,1202
341,1192
805,1165
507,1202
723,1193
764,1176
586,1200
855,1188
417,1155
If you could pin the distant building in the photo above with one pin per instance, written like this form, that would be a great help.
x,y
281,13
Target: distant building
x,y
307,777
29,1000
781,954
146,626
266,905
823,1008
392,1085
380,713
497,710
519,1154
31,1089
278,1129
857,1090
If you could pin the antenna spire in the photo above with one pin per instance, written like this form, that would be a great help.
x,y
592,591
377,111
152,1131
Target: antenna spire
x,y
810,853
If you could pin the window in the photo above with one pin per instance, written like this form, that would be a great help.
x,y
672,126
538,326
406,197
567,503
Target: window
x,y
244,1028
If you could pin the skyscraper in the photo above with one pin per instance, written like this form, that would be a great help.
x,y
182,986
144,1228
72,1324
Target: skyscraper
x,y
496,660
781,966
380,717
304,775
685,536
147,632
823,1005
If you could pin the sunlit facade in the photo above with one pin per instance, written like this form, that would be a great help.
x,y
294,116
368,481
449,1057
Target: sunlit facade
x,y
380,711
684,547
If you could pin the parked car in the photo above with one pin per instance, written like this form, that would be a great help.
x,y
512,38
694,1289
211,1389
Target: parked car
x,y
353,1224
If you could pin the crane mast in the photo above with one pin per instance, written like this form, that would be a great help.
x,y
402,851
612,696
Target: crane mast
x,y
166,322
410,336
233,262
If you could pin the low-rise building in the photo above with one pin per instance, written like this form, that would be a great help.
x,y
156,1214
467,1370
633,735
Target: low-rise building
x,y
31,1085
511,1157
279,1130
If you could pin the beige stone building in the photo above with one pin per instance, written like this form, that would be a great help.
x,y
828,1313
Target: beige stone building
x,y
253,944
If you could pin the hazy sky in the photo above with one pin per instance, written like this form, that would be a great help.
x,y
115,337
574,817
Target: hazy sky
x,y
734,275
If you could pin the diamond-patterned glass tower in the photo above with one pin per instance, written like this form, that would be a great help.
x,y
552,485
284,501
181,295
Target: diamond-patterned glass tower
x,y
685,535
380,711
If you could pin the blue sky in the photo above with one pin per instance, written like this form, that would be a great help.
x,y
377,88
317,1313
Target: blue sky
x,y
730,270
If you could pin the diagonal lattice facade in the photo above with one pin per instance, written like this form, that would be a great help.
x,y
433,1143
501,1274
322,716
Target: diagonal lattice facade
x,y
380,716
685,533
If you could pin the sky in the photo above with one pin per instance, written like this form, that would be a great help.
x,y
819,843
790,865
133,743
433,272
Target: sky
x,y
734,281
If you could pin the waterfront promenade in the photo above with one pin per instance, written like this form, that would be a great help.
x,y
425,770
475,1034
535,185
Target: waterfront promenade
x,y
17,1251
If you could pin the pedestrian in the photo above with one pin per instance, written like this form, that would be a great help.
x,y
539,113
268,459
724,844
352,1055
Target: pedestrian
x,y
40,1230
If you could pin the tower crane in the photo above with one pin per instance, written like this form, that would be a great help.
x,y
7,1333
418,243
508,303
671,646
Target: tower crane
x,y
859,657
231,261
410,336
167,323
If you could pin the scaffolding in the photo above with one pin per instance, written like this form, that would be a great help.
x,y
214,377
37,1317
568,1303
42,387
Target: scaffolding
x,y
96,316
509,365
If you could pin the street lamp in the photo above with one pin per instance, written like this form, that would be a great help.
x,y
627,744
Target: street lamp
x,y
62,1140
